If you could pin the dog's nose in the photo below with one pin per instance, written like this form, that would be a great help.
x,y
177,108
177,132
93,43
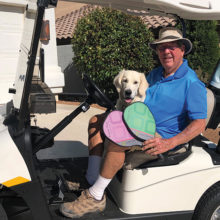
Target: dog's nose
x,y
128,92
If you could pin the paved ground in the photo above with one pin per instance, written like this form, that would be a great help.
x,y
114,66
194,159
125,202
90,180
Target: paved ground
x,y
72,141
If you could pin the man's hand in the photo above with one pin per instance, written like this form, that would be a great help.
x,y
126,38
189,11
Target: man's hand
x,y
156,146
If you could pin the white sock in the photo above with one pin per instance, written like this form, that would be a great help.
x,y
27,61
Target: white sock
x,y
94,163
98,189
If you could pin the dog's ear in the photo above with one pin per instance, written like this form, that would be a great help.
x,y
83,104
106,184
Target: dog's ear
x,y
143,85
117,80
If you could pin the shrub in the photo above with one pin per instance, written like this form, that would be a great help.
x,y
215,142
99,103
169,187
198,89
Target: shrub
x,y
106,41
205,52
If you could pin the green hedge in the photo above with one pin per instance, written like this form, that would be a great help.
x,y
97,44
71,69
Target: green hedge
x,y
205,52
106,41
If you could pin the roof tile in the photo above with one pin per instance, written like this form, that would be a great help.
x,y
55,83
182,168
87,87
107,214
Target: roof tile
x,y
66,24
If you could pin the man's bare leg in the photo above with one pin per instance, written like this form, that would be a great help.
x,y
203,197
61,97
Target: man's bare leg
x,y
95,141
113,161
96,147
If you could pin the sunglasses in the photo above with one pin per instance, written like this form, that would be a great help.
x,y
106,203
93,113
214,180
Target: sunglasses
x,y
163,48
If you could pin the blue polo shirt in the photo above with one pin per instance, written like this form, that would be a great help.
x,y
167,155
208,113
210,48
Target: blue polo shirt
x,y
175,100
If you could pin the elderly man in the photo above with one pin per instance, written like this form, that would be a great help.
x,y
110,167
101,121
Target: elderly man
x,y
176,98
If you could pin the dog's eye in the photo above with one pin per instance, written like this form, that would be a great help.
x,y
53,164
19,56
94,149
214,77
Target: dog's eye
x,y
135,82
125,80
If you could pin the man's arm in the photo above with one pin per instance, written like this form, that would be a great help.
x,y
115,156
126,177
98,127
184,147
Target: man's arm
x,y
156,146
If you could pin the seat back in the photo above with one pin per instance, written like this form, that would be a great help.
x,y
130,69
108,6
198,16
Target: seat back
x,y
210,106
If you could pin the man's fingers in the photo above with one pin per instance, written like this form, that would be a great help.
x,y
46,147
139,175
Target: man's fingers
x,y
149,141
145,147
151,151
154,151
152,140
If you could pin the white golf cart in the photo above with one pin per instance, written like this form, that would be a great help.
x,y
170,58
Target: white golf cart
x,y
185,186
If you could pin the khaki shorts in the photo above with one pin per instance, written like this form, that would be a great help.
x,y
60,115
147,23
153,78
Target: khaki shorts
x,y
134,159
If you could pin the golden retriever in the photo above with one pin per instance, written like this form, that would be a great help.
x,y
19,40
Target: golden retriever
x,y
131,86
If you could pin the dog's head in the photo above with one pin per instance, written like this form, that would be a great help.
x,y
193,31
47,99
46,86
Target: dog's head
x,y
131,86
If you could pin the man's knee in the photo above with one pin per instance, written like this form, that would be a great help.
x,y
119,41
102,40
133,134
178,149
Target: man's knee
x,y
93,119
112,147
97,121
96,138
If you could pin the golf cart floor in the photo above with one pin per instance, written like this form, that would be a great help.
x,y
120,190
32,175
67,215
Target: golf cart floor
x,y
50,172
72,170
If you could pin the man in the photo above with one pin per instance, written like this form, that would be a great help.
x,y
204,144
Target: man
x,y
176,98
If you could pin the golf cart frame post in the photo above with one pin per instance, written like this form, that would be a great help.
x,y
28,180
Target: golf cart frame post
x,y
24,114
18,122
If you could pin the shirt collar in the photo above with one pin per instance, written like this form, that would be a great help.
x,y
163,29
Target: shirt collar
x,y
181,71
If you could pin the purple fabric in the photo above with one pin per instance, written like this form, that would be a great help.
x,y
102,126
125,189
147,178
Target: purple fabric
x,y
115,129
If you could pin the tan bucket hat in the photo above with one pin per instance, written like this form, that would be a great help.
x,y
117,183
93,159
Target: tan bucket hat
x,y
170,34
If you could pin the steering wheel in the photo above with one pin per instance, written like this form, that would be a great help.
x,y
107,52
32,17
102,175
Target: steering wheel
x,y
95,95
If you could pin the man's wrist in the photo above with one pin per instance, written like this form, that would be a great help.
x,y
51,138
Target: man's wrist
x,y
172,143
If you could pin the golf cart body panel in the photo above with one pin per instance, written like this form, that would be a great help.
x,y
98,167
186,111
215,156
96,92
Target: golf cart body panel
x,y
157,189
9,161
157,192
12,161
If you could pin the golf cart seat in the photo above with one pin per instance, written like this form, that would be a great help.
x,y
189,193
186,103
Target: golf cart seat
x,y
211,102
138,161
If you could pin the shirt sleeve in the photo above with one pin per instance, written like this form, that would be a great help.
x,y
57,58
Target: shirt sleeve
x,y
196,101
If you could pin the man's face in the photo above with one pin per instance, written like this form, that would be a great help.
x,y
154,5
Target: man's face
x,y
171,56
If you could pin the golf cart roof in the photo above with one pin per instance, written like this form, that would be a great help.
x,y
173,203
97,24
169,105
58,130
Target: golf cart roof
x,y
186,9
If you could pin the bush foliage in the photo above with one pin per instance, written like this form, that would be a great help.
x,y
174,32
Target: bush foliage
x,y
106,41
205,52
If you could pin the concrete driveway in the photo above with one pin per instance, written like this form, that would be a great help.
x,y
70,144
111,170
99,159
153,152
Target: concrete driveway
x,y
70,142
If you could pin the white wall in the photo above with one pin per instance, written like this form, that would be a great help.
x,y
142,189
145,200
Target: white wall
x,y
12,18
11,25
54,77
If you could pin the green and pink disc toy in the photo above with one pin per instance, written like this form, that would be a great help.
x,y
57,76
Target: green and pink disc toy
x,y
131,127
